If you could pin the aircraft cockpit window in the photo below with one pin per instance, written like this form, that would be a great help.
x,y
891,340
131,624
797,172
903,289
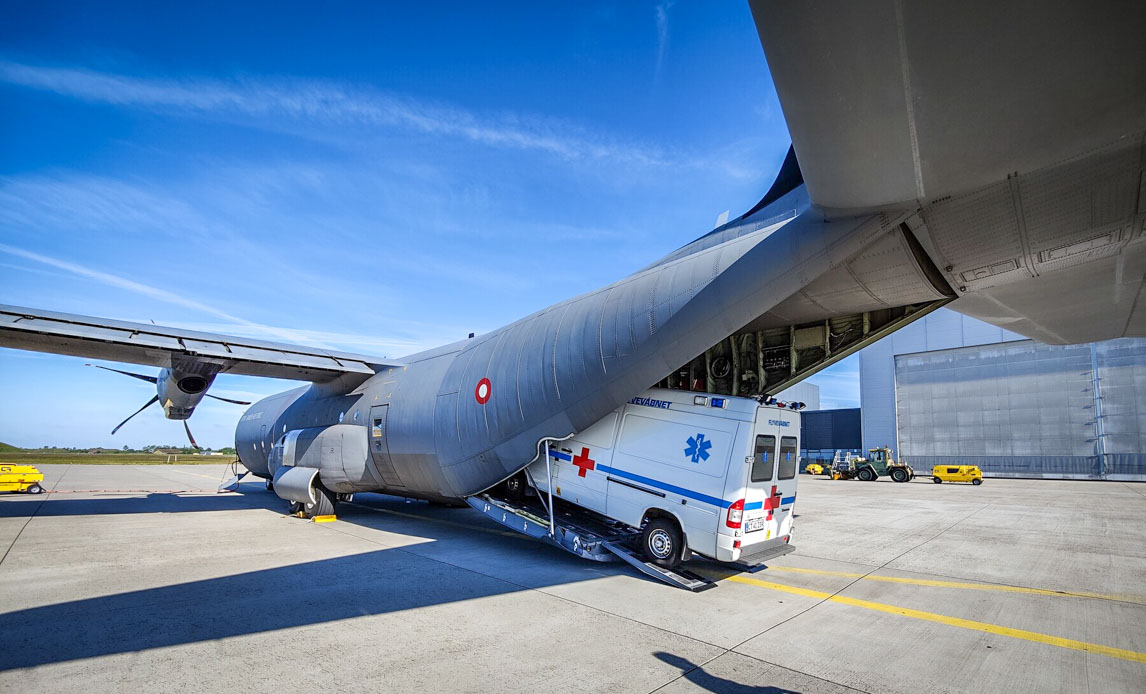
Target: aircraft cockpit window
x,y
376,429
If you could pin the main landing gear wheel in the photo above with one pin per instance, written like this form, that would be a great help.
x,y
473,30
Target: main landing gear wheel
x,y
323,504
866,474
515,487
899,475
662,543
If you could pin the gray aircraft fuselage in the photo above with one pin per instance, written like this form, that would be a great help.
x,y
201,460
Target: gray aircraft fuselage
x,y
455,420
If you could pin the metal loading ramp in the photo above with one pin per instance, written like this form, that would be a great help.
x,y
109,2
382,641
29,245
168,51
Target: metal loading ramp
x,y
583,533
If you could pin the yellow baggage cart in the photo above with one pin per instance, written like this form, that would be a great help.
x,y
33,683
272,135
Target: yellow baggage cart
x,y
25,479
957,473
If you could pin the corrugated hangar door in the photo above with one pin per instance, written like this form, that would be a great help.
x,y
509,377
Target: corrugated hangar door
x,y
1019,408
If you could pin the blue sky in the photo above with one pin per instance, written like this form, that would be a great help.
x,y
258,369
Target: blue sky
x,y
379,178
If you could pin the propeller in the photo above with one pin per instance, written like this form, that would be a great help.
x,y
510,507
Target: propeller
x,y
189,436
142,377
150,402
233,402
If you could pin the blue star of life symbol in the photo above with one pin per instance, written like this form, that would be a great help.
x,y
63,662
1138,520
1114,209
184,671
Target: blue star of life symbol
x,y
697,448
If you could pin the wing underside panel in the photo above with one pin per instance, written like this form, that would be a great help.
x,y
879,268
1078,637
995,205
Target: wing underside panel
x,y
151,345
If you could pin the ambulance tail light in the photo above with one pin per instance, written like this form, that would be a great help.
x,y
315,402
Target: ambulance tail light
x,y
735,514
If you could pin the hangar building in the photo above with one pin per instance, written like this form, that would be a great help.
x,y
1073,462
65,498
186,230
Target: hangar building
x,y
952,389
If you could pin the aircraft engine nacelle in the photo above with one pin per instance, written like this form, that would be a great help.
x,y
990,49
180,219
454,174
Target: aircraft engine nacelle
x,y
181,388
338,453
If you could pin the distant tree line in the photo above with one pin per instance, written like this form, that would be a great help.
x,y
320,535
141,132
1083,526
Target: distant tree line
x,y
153,448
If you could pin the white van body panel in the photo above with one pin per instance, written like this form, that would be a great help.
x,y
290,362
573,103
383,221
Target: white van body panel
x,y
675,453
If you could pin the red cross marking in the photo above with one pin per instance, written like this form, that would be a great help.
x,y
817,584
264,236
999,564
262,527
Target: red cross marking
x,y
584,462
772,502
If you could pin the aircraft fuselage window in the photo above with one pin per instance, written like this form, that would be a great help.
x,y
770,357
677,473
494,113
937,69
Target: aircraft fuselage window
x,y
376,429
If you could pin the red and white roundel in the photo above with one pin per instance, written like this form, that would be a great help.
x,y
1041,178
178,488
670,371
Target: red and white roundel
x,y
483,391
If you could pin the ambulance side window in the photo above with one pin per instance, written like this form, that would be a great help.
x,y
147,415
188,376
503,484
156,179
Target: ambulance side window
x,y
765,458
788,458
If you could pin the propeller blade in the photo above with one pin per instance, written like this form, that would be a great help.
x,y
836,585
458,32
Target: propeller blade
x,y
150,402
189,436
142,377
233,402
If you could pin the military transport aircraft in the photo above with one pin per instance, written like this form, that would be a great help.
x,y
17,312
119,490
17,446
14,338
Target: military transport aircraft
x,y
985,154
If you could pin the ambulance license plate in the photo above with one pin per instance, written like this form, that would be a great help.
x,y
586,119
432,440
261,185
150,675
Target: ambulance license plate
x,y
754,524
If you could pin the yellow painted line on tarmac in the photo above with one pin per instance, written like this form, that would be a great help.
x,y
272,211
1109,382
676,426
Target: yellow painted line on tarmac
x,y
962,585
1034,636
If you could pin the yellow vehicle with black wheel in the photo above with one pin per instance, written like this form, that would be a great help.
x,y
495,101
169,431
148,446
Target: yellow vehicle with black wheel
x,y
24,479
957,473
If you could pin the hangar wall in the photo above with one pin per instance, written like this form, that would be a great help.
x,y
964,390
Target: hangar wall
x,y
805,392
953,389
824,432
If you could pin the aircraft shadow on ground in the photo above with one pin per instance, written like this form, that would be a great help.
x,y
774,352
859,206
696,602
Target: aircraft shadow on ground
x,y
697,675
316,592
126,502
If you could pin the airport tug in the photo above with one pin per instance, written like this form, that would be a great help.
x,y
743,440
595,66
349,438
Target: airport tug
x,y
23,479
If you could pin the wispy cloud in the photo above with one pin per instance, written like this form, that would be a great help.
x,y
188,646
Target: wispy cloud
x,y
414,337
236,324
330,102
122,283
662,35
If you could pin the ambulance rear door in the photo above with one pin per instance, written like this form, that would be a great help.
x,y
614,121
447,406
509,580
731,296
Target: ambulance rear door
x,y
770,492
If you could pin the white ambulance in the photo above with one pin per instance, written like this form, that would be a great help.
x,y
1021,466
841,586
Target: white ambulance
x,y
701,473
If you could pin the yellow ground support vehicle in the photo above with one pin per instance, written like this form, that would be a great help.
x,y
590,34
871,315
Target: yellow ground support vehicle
x,y
957,473
21,478
817,469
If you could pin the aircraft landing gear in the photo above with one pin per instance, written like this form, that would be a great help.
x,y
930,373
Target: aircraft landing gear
x,y
324,504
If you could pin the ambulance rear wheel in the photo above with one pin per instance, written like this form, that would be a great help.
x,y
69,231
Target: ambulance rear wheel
x,y
662,543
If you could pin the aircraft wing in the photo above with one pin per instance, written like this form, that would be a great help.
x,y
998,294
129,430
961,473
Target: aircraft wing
x,y
892,102
1016,130
152,345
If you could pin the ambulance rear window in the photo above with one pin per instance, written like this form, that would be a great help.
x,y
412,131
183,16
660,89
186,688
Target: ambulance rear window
x,y
788,458
764,459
